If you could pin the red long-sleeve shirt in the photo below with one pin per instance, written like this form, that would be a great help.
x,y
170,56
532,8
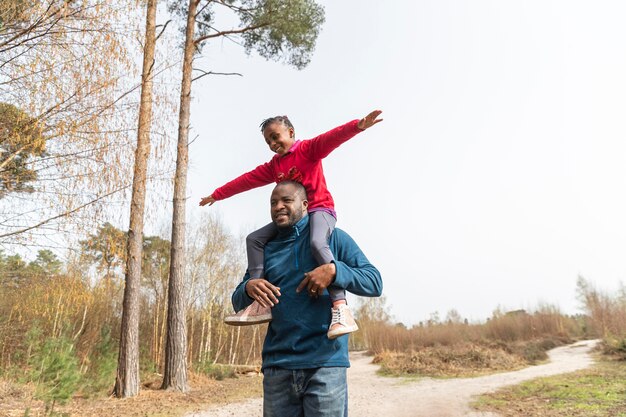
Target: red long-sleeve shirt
x,y
302,163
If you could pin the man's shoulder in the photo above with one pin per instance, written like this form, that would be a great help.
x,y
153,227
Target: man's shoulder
x,y
340,235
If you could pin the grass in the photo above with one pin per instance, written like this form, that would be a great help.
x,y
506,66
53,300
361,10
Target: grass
x,y
599,391
448,361
15,399
464,359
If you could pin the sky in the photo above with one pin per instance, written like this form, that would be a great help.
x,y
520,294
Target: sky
x,y
498,175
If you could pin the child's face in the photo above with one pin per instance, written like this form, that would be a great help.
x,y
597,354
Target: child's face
x,y
279,137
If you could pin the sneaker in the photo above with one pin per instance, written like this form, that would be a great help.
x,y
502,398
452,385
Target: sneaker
x,y
342,322
253,314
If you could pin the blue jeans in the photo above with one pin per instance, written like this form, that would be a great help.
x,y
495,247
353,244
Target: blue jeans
x,y
318,392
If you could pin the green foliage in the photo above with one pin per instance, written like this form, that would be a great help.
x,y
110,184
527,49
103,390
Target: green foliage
x,y
106,248
14,271
277,29
99,379
21,138
598,391
46,263
283,29
156,259
55,371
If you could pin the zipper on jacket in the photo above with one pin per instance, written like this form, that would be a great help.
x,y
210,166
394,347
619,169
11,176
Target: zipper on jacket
x,y
296,245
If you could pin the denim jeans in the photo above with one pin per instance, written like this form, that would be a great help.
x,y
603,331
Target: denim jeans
x,y
319,392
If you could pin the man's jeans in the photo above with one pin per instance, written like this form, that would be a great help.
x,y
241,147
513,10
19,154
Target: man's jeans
x,y
320,392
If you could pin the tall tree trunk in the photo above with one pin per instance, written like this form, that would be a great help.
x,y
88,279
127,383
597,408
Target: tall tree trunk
x,y
127,380
175,373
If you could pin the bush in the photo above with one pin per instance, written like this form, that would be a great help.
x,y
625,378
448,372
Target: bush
x,y
101,375
55,371
215,371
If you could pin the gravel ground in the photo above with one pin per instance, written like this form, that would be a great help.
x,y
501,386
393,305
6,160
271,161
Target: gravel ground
x,y
374,396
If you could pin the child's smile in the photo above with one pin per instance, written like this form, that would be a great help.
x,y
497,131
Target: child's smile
x,y
279,138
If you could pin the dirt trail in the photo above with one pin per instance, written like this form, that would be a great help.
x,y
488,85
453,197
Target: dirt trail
x,y
375,396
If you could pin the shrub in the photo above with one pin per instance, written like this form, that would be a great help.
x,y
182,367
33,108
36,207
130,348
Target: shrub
x,y
55,371
215,371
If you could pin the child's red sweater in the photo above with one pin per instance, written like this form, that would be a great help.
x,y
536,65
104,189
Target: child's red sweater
x,y
302,163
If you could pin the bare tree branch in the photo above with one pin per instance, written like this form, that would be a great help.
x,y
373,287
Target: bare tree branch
x,y
229,32
64,214
213,73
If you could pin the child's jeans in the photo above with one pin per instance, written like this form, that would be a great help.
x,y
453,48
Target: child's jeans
x,y
321,225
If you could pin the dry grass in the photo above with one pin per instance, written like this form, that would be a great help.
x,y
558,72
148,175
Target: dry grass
x,y
507,329
507,341
16,399
449,361
608,315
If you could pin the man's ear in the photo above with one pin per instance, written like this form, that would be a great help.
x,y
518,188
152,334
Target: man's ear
x,y
305,204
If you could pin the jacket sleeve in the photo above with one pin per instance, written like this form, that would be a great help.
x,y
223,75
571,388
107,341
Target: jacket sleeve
x,y
321,146
259,176
355,273
240,297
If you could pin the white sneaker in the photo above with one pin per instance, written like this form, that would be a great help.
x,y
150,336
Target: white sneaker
x,y
342,322
253,314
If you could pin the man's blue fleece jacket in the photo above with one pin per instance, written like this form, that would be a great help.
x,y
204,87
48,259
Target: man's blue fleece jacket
x,y
296,336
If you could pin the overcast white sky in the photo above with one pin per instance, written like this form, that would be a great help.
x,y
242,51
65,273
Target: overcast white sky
x,y
499,173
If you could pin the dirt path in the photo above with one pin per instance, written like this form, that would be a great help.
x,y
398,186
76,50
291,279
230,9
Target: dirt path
x,y
374,396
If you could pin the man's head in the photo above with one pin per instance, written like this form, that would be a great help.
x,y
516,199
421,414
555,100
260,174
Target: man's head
x,y
288,204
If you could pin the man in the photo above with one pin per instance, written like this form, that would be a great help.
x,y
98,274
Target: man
x,y
304,371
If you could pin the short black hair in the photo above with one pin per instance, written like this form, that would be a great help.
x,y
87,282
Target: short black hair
x,y
284,120
298,185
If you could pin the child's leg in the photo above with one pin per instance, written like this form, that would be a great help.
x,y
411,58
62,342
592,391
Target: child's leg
x,y
322,225
255,245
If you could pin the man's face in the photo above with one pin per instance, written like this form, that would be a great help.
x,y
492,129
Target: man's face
x,y
287,206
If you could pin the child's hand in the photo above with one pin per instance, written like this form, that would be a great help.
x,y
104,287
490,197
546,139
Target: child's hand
x,y
370,120
207,200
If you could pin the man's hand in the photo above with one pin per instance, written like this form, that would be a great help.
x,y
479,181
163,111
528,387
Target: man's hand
x,y
370,120
317,280
263,292
207,200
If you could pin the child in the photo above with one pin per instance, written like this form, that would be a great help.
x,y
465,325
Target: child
x,y
300,161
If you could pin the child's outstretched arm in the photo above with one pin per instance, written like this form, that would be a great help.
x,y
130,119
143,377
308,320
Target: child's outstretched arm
x,y
321,146
259,176
370,120
207,200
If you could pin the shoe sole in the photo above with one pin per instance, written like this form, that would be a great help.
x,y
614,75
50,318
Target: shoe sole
x,y
335,334
248,321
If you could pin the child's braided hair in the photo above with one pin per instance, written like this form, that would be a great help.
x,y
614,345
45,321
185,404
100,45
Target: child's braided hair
x,y
276,119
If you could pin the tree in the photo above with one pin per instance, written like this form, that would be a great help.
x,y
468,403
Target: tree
x,y
20,139
276,29
66,81
106,249
127,381
155,269
46,263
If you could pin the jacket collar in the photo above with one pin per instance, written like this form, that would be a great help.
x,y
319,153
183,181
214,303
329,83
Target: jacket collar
x,y
296,229
293,148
